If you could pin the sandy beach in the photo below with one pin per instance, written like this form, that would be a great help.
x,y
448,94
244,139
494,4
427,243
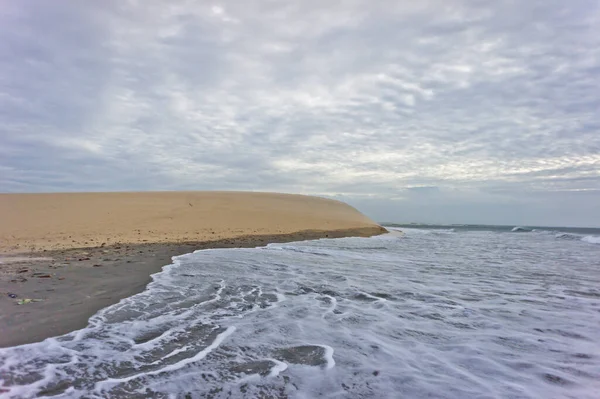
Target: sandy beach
x,y
78,253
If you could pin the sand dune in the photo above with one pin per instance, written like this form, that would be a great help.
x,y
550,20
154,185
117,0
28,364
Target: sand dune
x,y
34,222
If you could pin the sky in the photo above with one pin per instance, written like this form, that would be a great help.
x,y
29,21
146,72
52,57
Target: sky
x,y
462,111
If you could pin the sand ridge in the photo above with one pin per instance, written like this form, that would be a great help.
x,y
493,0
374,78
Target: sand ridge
x,y
37,222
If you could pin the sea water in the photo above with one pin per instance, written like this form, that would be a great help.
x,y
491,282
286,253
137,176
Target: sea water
x,y
428,313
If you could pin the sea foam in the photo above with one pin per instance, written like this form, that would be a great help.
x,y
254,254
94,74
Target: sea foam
x,y
424,314
591,239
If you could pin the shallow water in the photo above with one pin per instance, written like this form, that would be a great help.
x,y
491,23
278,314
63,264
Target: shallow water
x,y
434,313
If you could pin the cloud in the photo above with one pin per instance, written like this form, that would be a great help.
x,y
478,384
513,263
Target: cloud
x,y
490,102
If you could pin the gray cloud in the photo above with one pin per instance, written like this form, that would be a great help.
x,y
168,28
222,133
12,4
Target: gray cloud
x,y
436,111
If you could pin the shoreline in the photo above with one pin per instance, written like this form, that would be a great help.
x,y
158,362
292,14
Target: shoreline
x,y
75,283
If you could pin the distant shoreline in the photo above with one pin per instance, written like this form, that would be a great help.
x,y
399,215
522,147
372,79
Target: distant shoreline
x,y
74,281
492,227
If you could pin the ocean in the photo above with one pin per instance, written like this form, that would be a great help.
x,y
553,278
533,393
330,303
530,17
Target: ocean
x,y
429,312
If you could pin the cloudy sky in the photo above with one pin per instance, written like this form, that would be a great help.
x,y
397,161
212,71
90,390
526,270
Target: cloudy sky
x,y
429,111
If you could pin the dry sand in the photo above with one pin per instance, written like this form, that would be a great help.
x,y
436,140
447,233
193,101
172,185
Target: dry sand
x,y
34,222
82,252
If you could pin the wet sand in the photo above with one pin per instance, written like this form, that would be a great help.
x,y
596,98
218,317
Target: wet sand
x,y
77,271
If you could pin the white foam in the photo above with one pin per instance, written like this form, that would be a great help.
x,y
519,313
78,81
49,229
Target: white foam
x,y
280,297
172,367
332,307
591,239
436,314
395,232
328,355
177,351
278,368
580,237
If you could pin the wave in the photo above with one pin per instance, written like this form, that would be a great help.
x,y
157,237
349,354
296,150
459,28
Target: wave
x,y
444,231
546,232
579,237
520,229
412,230
591,239
568,236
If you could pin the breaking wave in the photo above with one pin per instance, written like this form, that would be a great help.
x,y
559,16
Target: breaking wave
x,y
579,237
591,239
